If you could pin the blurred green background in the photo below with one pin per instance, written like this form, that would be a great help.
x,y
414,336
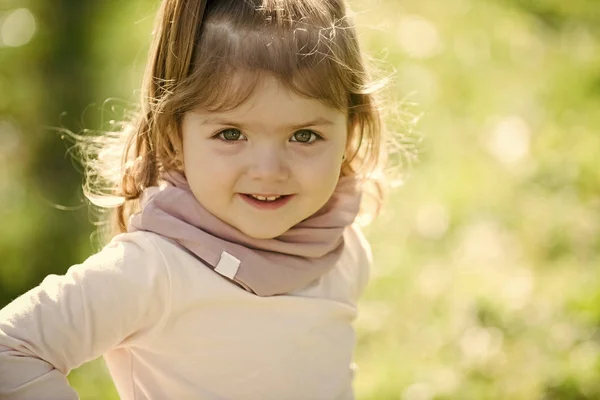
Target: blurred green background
x,y
485,283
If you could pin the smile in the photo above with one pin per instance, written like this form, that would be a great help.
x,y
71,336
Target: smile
x,y
266,202
265,198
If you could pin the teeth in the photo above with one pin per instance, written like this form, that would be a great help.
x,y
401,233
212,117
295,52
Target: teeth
x,y
262,198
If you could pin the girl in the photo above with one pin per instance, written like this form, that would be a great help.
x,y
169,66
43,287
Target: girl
x,y
236,265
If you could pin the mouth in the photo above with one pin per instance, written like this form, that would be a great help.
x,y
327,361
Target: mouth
x,y
270,202
266,198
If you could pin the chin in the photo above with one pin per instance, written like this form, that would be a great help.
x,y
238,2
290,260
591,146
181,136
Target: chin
x,y
263,234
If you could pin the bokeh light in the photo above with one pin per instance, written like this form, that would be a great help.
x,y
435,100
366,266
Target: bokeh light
x,y
17,28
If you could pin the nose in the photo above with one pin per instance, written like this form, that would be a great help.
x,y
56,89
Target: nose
x,y
268,164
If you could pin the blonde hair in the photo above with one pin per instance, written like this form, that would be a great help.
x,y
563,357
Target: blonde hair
x,y
201,50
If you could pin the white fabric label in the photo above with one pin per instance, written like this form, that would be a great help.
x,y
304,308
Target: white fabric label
x,y
228,265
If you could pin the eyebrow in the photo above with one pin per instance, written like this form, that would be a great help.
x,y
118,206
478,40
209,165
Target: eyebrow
x,y
320,121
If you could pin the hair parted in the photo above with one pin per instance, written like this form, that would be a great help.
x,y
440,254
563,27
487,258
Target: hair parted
x,y
211,54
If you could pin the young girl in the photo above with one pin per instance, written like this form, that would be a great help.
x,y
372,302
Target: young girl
x,y
237,264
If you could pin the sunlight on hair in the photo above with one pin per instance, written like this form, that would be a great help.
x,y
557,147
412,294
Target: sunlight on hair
x,y
104,201
18,28
418,37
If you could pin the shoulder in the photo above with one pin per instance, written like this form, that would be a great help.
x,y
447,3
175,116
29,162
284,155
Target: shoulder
x,y
132,259
133,247
145,242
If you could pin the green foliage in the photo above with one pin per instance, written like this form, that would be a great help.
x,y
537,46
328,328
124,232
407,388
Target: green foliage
x,y
485,283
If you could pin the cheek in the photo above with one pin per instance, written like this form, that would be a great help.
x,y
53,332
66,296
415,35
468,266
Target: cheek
x,y
204,169
319,173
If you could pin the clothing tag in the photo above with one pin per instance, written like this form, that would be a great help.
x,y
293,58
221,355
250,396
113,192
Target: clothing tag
x,y
228,265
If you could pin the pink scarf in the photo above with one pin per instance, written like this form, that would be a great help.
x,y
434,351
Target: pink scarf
x,y
265,267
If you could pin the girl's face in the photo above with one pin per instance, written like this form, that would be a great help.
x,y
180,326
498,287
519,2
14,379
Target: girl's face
x,y
275,144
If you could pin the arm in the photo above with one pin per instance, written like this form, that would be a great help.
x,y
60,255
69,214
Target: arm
x,y
111,299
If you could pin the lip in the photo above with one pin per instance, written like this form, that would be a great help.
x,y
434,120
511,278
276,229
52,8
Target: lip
x,y
263,205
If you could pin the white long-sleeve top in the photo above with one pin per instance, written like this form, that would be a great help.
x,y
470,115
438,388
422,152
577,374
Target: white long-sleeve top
x,y
171,328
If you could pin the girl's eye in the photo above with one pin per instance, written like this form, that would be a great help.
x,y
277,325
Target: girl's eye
x,y
305,136
231,135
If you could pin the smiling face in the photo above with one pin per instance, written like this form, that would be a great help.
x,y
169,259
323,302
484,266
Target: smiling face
x,y
275,144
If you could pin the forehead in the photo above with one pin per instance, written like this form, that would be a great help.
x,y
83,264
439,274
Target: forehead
x,y
270,100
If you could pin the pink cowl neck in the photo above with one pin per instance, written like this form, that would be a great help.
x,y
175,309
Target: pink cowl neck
x,y
265,267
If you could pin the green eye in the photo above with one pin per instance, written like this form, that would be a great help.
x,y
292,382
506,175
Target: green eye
x,y
230,135
304,136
